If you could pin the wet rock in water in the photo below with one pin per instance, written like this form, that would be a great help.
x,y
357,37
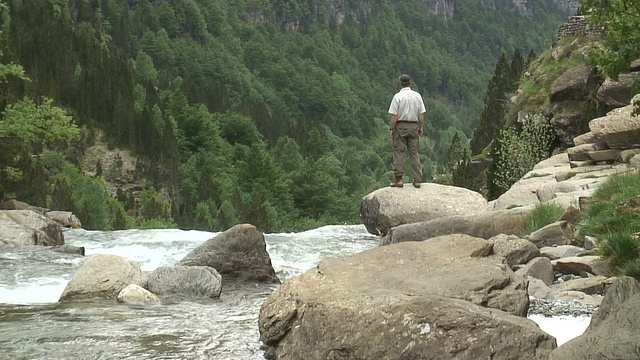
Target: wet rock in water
x,y
69,249
26,227
137,295
185,281
238,254
102,277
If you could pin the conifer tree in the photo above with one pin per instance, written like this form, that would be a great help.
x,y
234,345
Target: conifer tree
x,y
492,115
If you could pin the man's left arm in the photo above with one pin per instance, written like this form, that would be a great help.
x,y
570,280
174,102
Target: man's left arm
x,y
421,124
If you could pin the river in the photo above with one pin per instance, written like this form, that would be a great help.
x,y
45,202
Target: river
x,y
34,326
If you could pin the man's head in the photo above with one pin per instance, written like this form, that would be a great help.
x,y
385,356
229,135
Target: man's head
x,y
405,80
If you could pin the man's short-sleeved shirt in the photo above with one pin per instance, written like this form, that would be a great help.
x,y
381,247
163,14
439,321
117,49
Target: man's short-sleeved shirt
x,y
407,104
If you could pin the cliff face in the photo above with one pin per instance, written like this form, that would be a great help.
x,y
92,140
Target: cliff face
x,y
291,16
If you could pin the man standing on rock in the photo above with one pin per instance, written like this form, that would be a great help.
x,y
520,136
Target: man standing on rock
x,y
405,127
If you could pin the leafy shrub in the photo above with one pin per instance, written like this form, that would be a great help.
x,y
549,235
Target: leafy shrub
x,y
542,215
154,205
515,152
86,198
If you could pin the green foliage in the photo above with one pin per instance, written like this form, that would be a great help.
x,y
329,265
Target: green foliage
x,y
156,223
118,218
515,152
154,205
613,217
276,122
542,215
621,22
86,198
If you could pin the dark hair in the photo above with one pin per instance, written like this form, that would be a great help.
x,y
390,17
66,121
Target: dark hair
x,y
405,80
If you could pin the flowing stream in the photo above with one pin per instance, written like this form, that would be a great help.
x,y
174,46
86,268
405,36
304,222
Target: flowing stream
x,y
34,326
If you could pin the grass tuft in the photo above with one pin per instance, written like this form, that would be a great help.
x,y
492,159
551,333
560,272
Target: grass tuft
x,y
542,215
613,217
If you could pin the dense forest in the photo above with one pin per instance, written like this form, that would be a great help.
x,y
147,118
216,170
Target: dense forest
x,y
270,112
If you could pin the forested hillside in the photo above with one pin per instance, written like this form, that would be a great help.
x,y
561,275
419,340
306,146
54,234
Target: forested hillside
x,y
270,112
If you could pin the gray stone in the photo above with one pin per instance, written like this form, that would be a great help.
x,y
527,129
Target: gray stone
x,y
515,250
238,254
575,265
27,227
484,225
137,295
594,285
64,218
185,281
557,233
540,268
555,252
604,155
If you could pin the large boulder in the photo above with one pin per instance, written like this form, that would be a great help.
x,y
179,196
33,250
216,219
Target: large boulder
x,y
616,93
27,227
618,291
238,254
388,207
485,225
102,277
619,131
446,298
575,84
614,336
185,281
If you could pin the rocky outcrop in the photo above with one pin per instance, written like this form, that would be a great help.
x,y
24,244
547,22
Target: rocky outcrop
x,y
102,277
617,93
485,225
446,298
185,281
238,254
575,84
386,208
137,295
64,218
558,181
614,336
27,227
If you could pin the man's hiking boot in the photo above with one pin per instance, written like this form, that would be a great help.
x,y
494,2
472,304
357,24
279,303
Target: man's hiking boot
x,y
397,183
416,184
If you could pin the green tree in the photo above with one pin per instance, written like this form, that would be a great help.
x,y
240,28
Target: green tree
x,y
620,20
26,128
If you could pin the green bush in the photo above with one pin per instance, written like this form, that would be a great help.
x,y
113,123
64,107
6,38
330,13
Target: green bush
x,y
613,217
542,215
516,151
